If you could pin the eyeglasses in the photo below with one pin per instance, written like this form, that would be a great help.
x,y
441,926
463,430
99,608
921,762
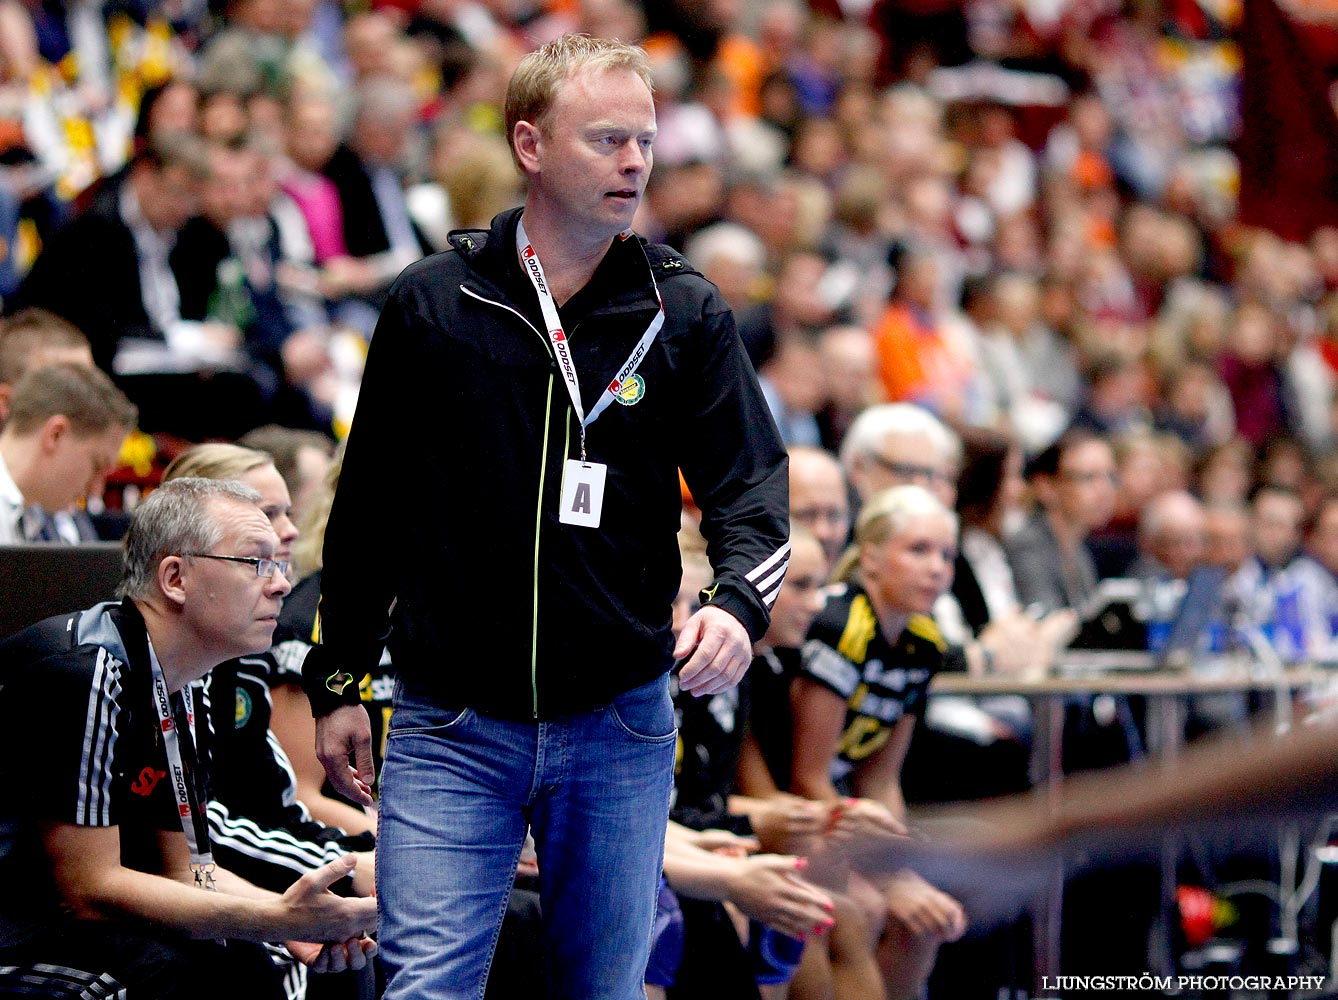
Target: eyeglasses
x,y
1084,477
909,472
265,568
825,515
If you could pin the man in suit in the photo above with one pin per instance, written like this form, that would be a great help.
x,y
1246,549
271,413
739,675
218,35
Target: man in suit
x,y
187,377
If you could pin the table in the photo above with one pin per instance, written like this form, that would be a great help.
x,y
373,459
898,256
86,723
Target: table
x,y
1168,693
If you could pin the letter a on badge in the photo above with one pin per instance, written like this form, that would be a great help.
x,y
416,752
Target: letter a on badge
x,y
582,493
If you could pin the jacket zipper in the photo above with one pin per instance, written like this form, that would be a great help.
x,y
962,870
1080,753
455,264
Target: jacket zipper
x,y
538,523
539,503
516,312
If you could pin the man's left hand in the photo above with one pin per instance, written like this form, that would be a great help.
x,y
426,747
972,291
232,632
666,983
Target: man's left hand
x,y
334,956
719,648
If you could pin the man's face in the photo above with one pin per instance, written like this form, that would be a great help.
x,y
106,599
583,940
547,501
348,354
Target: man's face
x,y
902,460
230,609
1275,527
593,151
1226,538
851,368
381,141
1178,543
818,501
1323,540
168,197
223,197
313,133
76,465
1084,486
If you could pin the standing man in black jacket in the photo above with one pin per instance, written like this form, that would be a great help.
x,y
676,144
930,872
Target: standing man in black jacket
x,y
567,371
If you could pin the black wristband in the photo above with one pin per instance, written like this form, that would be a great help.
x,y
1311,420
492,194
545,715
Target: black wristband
x,y
327,686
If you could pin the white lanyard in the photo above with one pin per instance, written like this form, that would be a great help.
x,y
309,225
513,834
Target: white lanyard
x,y
558,338
190,806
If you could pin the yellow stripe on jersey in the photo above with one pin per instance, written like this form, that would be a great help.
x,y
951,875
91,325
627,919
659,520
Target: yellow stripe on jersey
x,y
859,631
863,738
926,628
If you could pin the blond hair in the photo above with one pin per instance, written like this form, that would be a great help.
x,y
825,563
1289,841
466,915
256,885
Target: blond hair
x,y
216,460
308,550
884,516
529,95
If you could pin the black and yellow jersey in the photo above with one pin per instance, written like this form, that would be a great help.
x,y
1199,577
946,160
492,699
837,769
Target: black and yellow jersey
x,y
847,652
298,633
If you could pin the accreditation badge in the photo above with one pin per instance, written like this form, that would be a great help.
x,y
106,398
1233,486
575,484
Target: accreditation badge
x,y
582,493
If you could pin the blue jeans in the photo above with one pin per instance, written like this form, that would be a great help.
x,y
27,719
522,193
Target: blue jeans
x,y
457,791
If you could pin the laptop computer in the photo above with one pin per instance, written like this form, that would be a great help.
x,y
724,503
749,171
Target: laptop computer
x,y
1201,604
1114,619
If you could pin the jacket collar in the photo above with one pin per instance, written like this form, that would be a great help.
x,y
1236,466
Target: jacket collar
x,y
494,267
118,627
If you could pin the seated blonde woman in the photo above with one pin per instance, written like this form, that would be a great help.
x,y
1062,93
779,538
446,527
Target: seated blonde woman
x,y
863,677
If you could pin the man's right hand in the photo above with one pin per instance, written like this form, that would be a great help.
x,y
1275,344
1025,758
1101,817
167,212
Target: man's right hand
x,y
347,730
335,956
311,912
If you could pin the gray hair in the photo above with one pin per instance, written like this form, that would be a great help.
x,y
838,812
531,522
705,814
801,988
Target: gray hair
x,y
1167,508
728,240
866,434
174,519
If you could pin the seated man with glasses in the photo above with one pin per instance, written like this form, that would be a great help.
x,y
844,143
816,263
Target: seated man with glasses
x,y
820,499
110,885
901,444
260,829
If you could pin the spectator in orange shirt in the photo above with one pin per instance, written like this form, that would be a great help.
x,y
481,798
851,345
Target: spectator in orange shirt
x,y
919,359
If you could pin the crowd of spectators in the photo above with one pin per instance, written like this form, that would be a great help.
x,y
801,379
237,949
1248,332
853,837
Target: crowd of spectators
x,y
989,249
1019,215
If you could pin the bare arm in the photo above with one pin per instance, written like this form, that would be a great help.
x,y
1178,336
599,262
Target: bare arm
x,y
1266,778
879,777
86,866
292,723
766,887
819,715
1009,843
753,778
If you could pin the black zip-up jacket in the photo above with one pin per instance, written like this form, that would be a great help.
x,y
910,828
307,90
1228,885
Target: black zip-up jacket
x,y
447,507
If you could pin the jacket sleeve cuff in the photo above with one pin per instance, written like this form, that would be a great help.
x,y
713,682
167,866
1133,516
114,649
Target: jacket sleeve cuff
x,y
747,610
327,683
